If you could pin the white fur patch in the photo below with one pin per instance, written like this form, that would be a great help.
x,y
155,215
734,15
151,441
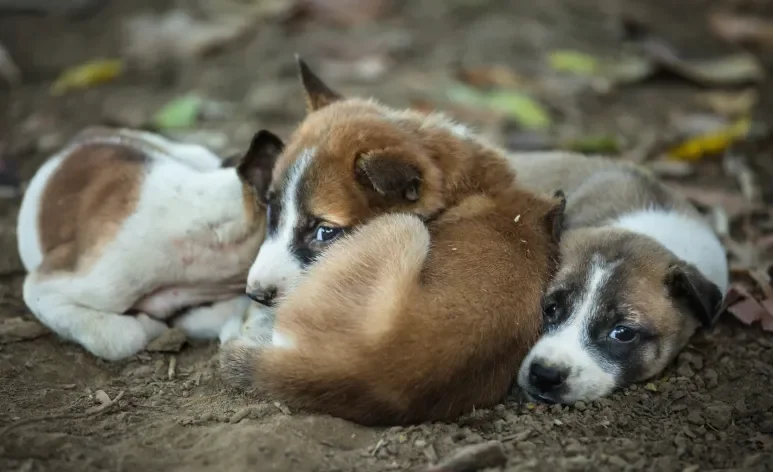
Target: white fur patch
x,y
567,347
690,240
276,266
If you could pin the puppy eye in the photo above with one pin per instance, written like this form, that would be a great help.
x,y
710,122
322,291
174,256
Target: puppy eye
x,y
623,334
551,310
327,233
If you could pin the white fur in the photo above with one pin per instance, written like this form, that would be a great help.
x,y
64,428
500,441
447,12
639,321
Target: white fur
x,y
167,255
689,239
253,326
567,347
276,266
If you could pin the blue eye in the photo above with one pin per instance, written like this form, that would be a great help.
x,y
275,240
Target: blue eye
x,y
326,233
623,334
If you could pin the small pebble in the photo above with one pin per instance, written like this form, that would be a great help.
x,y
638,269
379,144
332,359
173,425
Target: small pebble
x,y
240,415
684,370
711,378
581,406
695,417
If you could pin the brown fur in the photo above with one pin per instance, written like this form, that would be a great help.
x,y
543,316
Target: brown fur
x,y
405,321
91,193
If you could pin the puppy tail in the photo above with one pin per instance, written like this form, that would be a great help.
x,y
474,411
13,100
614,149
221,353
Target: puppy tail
x,y
239,364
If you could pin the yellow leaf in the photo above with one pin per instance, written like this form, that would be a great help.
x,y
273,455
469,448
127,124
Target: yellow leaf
x,y
86,75
698,147
651,387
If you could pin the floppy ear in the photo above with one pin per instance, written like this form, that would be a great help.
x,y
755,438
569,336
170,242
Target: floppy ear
x,y
318,94
258,162
694,291
554,218
389,176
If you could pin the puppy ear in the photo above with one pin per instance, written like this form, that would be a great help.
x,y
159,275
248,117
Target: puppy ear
x,y
692,290
258,162
389,176
318,94
554,218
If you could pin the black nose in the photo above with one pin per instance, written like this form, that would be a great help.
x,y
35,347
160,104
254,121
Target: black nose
x,y
545,378
263,296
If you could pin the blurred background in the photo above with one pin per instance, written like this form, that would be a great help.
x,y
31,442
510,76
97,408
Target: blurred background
x,y
682,87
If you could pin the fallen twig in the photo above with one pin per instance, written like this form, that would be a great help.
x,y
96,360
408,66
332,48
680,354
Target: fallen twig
x,y
73,416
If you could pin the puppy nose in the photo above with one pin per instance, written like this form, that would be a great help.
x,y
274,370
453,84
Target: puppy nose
x,y
264,296
546,378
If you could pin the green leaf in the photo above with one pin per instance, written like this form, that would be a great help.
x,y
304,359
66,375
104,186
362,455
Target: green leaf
x,y
574,62
529,113
521,107
181,112
600,144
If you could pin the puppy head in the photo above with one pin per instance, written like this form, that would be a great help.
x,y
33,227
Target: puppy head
x,y
348,161
618,311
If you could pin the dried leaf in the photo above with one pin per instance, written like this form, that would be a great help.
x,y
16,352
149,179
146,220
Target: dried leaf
x,y
712,143
725,70
747,311
731,103
181,112
574,62
767,322
742,28
87,75
491,76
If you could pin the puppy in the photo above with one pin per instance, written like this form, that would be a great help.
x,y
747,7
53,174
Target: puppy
x,y
408,268
123,229
640,272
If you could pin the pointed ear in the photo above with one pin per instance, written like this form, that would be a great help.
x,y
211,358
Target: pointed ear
x,y
318,94
389,176
690,289
258,162
554,218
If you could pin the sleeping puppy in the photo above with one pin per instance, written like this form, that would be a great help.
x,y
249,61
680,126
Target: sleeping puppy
x,y
640,272
406,269
122,230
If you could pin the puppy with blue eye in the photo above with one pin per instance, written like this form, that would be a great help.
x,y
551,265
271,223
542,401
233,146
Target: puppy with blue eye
x,y
640,272
405,267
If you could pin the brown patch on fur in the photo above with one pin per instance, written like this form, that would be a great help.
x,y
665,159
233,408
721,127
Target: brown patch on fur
x,y
403,323
344,133
94,189
427,309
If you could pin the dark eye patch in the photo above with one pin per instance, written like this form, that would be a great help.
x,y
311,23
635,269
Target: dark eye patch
x,y
273,213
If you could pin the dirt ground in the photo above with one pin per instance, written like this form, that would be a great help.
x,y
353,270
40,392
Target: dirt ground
x,y
712,410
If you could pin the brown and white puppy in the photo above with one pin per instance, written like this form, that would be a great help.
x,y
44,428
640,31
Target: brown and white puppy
x,y
410,269
125,221
640,272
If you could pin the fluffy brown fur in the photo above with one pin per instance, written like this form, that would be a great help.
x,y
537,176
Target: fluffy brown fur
x,y
427,307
